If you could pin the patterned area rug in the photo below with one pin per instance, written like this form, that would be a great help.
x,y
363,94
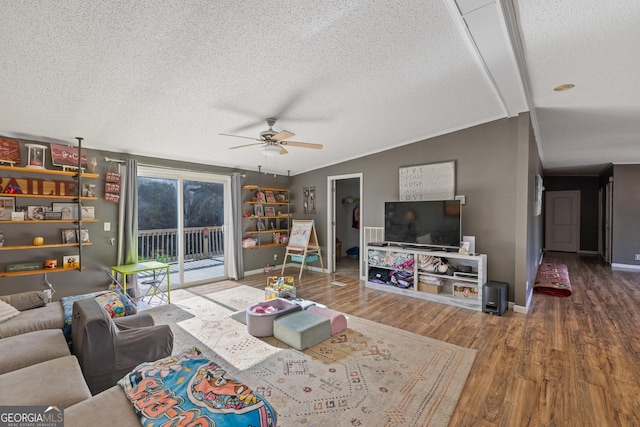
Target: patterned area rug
x,y
553,279
369,375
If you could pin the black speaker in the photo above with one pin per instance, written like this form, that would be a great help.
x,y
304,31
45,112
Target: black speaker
x,y
494,297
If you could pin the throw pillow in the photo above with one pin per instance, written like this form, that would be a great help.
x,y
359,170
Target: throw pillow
x,y
7,311
111,302
26,300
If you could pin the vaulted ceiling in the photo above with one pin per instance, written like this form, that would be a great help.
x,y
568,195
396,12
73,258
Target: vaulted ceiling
x,y
166,78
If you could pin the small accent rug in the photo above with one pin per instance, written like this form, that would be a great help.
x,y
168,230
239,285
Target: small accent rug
x,y
368,375
553,279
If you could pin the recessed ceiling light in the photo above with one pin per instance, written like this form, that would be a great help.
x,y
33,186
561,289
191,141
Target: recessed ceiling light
x,y
562,88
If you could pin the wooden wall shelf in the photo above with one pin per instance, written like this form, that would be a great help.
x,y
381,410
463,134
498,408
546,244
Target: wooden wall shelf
x,y
40,271
53,245
47,171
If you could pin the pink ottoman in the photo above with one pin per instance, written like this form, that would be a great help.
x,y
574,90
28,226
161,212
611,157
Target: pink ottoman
x,y
338,320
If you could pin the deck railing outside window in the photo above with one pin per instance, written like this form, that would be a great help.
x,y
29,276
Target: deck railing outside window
x,y
162,245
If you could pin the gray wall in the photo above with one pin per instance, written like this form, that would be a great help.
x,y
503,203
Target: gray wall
x,y
486,174
101,254
626,214
495,165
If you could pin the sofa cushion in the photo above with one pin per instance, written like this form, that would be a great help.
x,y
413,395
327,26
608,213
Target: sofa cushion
x,y
57,382
47,317
26,300
107,409
7,311
31,348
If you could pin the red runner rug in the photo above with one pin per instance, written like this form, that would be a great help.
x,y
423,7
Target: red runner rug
x,y
553,279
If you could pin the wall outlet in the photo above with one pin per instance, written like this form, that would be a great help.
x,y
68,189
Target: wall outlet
x,y
275,257
637,257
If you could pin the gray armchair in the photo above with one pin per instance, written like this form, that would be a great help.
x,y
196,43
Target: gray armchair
x,y
107,348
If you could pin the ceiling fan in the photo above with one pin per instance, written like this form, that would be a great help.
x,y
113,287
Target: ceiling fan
x,y
273,142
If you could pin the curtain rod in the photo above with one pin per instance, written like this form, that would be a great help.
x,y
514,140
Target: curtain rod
x,y
109,159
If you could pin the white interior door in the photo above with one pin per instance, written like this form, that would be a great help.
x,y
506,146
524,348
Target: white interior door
x,y
562,219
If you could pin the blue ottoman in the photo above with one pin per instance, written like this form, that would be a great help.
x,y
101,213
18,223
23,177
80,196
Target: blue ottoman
x,y
302,329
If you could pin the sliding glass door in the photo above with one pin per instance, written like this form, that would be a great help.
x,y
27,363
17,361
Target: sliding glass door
x,y
181,221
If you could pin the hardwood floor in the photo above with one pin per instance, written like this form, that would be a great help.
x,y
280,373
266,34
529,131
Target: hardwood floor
x,y
569,362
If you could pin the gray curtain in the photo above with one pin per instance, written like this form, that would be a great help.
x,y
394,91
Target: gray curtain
x,y
234,251
128,221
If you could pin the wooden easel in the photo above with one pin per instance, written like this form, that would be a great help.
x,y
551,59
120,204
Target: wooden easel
x,y
303,245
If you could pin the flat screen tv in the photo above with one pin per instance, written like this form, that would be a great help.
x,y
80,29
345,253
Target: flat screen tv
x,y
434,223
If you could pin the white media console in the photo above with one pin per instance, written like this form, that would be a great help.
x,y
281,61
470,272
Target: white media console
x,y
397,269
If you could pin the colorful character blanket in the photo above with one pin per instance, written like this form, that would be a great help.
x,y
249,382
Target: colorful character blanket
x,y
190,390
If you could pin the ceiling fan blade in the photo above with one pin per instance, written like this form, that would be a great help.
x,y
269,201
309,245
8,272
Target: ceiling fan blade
x,y
283,150
239,136
246,145
302,144
282,135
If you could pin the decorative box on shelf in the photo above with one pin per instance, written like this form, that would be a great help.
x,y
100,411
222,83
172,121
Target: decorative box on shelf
x,y
429,288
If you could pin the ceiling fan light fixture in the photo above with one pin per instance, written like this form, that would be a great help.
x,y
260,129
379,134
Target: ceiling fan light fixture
x,y
270,150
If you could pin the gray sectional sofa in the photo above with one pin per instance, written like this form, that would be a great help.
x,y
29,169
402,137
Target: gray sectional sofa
x,y
37,368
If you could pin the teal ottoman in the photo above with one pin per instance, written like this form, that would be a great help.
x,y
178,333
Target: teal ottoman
x,y
302,329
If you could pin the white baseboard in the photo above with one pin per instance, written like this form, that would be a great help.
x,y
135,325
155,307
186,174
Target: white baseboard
x,y
625,266
520,309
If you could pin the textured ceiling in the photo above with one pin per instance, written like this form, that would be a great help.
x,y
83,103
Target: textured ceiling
x,y
163,79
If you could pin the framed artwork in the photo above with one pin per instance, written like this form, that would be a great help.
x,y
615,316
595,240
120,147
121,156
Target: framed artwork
x,y
261,196
272,224
260,225
69,210
309,200
70,261
9,151
435,181
271,198
37,212
88,212
7,207
84,236
88,190
269,211
69,236
258,210
66,156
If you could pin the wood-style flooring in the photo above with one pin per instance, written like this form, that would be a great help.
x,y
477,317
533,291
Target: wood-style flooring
x,y
569,362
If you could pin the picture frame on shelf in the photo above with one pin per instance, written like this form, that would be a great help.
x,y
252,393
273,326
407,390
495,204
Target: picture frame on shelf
x,y
9,151
269,211
281,198
69,236
69,210
37,212
272,224
271,198
88,212
261,196
258,210
260,225
84,236
17,216
71,261
88,190
7,207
